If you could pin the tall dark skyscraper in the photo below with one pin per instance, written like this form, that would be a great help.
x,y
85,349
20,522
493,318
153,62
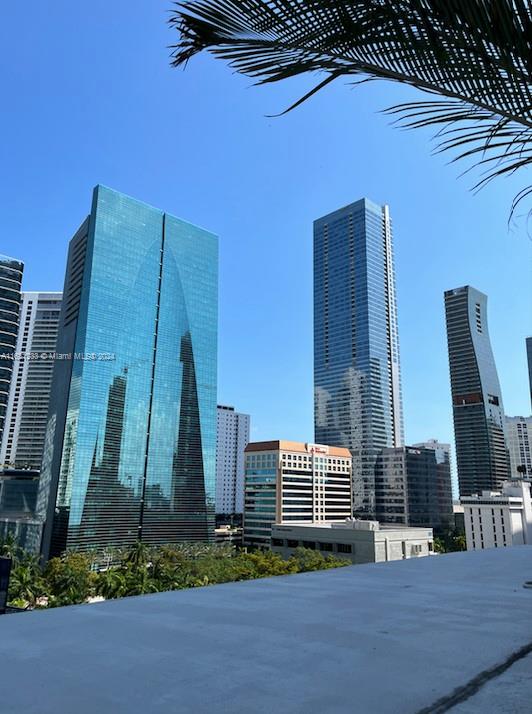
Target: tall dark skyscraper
x,y
481,452
529,360
131,439
10,297
357,384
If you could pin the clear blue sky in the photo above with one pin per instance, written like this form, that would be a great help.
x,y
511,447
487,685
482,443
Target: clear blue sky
x,y
88,97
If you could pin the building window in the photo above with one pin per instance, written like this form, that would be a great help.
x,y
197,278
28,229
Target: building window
x,y
326,546
308,544
343,548
278,542
292,543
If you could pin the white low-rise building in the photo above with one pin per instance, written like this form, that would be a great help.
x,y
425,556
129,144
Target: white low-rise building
x,y
497,519
355,540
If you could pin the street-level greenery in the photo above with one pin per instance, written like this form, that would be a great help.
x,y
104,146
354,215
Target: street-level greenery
x,y
449,541
79,577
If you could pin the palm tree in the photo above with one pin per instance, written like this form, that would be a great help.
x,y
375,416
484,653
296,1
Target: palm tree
x,y
140,582
475,54
111,583
9,547
26,581
137,555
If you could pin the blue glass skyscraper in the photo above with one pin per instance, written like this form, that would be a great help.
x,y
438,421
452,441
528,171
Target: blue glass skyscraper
x,y
131,439
357,385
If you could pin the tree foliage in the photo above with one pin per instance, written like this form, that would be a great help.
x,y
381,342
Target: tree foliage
x,y
473,57
76,577
450,541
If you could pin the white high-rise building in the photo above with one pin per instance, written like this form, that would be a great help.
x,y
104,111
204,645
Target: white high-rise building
x,y
232,437
29,395
499,519
519,440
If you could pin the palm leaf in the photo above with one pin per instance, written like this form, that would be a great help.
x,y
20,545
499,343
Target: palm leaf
x,y
475,54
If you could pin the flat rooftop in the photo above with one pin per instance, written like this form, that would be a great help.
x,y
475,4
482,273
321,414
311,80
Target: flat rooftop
x,y
298,447
356,525
404,637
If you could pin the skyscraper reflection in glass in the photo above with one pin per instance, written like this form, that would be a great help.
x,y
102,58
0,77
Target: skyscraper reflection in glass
x,y
357,386
130,449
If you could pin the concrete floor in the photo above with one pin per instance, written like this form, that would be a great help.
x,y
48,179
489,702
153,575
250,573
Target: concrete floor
x,y
508,693
391,638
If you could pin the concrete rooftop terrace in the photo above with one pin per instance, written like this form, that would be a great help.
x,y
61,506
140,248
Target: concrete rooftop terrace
x,y
403,637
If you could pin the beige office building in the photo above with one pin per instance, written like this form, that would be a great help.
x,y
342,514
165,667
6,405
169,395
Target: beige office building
x,y
288,481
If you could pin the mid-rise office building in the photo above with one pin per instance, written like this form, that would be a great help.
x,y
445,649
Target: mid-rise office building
x,y
481,451
497,519
354,540
27,409
519,440
412,488
442,452
357,385
130,449
11,271
232,437
289,481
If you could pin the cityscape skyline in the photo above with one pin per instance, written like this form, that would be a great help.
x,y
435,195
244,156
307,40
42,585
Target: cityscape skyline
x,y
265,356
400,426
438,235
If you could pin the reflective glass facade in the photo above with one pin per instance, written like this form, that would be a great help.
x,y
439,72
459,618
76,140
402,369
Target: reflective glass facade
x,y
131,440
10,283
479,426
357,390
413,487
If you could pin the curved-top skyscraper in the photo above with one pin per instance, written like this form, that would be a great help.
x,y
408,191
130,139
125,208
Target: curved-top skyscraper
x,y
481,453
357,384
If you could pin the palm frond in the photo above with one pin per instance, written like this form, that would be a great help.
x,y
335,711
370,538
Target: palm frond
x,y
476,54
